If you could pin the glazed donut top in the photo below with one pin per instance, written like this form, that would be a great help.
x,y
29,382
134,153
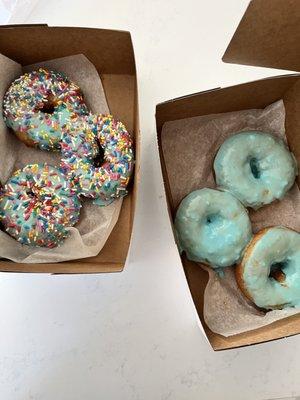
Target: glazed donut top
x,y
37,204
38,104
270,270
212,227
255,167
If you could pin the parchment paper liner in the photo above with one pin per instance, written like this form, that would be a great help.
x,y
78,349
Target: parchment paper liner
x,y
96,223
189,147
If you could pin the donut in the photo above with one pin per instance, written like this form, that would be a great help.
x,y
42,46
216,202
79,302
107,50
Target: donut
x,y
255,167
212,227
269,273
37,204
38,104
105,176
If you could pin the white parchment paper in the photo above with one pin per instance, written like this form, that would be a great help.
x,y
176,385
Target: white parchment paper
x,y
96,223
195,142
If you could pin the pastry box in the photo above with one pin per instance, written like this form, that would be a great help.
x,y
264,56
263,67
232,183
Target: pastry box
x,y
111,53
269,36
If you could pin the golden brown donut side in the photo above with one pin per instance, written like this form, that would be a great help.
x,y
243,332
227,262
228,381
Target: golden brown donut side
x,y
240,267
25,139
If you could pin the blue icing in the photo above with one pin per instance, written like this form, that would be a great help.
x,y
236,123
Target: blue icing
x,y
278,250
256,167
220,272
46,129
102,202
212,227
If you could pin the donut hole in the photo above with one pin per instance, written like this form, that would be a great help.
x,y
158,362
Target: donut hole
x,y
2,227
212,219
254,167
48,107
277,271
99,159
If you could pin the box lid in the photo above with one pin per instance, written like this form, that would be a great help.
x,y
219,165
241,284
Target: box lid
x,y
268,36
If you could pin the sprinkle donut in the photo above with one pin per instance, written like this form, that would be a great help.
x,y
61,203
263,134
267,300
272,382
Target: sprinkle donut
x,y
103,176
37,204
255,167
212,227
38,104
269,274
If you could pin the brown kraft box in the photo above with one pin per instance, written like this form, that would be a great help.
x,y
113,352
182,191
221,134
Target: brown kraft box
x,y
111,52
268,35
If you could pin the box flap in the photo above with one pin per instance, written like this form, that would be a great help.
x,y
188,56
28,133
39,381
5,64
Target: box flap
x,y
115,56
268,36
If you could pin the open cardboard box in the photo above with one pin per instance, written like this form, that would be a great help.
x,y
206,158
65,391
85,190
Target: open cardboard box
x,y
268,35
112,54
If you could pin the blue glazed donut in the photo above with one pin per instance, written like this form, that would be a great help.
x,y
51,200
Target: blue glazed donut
x,y
212,227
269,274
37,204
255,167
38,104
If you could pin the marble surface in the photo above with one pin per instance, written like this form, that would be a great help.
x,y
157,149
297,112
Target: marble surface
x,y
135,335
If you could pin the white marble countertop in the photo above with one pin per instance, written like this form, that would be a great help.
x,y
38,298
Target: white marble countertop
x,y
134,335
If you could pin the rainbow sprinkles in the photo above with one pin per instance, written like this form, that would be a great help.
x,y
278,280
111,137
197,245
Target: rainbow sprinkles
x,y
37,204
105,182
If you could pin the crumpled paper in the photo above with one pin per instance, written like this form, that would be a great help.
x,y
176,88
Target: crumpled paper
x,y
88,237
195,142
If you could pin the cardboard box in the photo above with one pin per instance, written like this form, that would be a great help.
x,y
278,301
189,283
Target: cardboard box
x,y
112,54
268,35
